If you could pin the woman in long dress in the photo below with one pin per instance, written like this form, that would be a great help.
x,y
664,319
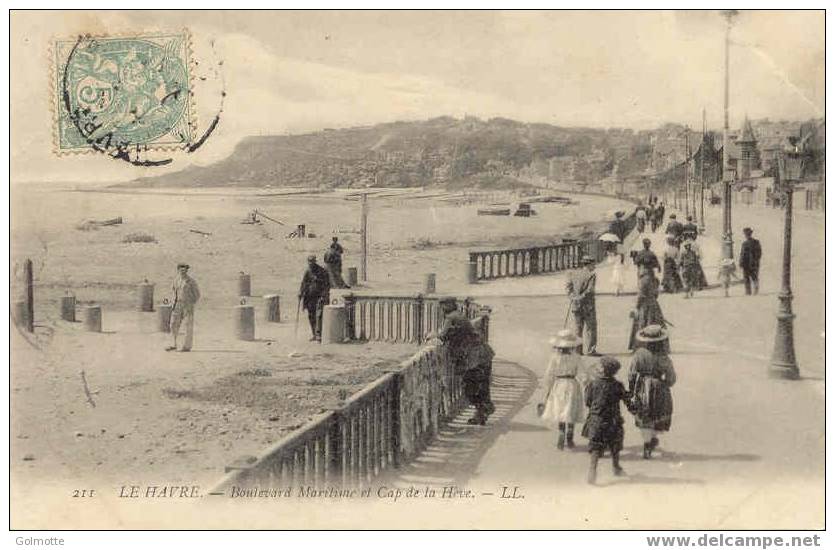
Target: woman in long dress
x,y
616,261
651,375
671,281
691,269
647,309
563,405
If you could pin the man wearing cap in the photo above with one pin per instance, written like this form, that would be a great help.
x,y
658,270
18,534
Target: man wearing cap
x,y
313,295
333,264
580,289
749,261
186,295
675,229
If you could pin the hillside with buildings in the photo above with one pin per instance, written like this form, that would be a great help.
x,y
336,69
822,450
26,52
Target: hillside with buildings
x,y
475,153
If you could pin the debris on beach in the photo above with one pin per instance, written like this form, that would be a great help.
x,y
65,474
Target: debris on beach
x,y
139,237
204,233
91,225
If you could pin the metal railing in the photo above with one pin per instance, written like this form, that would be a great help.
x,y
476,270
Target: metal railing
x,y
399,319
377,429
522,262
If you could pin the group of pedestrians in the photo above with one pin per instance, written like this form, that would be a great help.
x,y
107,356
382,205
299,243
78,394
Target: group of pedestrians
x,y
592,396
682,259
651,214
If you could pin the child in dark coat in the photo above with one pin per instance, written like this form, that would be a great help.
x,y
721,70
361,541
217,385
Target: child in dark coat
x,y
604,424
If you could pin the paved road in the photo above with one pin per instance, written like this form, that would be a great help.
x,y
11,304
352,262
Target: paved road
x,y
745,451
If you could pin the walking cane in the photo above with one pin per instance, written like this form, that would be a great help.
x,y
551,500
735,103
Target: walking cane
x,y
567,313
298,310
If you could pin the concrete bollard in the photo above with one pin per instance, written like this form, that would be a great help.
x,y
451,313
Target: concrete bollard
x,y
68,308
352,277
145,296
245,322
472,272
92,318
165,316
272,306
429,285
334,319
19,313
244,284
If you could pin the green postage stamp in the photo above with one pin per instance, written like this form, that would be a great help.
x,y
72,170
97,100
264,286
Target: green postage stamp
x,y
121,94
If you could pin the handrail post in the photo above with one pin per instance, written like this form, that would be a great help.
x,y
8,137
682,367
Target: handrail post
x,y
350,310
396,447
335,465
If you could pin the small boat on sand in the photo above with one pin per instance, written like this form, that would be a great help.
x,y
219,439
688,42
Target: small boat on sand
x,y
494,211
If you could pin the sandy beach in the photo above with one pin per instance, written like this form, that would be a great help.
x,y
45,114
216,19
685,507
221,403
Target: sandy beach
x,y
183,417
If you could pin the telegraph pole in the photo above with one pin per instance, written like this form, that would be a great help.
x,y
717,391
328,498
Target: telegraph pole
x,y
702,174
727,235
364,239
686,166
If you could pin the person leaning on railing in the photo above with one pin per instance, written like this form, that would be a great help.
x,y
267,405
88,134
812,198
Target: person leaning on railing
x,y
471,357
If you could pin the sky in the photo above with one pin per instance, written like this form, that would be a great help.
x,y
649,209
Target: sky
x,y
295,72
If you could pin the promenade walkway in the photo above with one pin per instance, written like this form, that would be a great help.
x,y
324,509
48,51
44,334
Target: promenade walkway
x,y
745,451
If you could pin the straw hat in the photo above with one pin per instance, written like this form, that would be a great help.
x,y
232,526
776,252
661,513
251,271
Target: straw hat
x,y
652,333
564,339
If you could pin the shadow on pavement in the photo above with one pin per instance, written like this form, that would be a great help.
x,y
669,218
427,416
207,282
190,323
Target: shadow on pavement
x,y
454,454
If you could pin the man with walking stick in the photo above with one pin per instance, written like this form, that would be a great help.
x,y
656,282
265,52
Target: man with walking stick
x,y
314,295
580,288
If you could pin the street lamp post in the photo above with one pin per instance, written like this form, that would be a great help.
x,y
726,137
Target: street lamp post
x,y
727,236
783,362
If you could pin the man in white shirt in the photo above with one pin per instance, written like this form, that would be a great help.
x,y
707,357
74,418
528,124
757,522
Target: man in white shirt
x,y
186,295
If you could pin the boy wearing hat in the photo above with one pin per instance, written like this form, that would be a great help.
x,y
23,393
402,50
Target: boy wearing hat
x,y
313,294
580,288
749,261
604,423
186,295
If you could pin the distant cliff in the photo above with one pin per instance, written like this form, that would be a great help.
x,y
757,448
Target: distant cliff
x,y
442,151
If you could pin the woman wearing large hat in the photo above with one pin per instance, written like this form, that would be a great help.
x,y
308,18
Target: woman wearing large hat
x,y
563,405
651,375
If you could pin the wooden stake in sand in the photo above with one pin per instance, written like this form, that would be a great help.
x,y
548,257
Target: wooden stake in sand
x,y
87,389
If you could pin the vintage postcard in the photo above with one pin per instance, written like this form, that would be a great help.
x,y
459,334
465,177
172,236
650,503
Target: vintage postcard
x,y
417,270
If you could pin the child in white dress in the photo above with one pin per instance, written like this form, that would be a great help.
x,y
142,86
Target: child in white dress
x,y
616,261
563,405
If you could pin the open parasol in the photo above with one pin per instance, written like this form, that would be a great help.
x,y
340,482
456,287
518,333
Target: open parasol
x,y
609,238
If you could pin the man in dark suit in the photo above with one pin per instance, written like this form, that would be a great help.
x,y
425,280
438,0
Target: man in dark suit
x,y
313,293
749,261
675,229
690,230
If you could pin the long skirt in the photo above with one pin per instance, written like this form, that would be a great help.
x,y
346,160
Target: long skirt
x,y
653,404
671,281
691,276
565,402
